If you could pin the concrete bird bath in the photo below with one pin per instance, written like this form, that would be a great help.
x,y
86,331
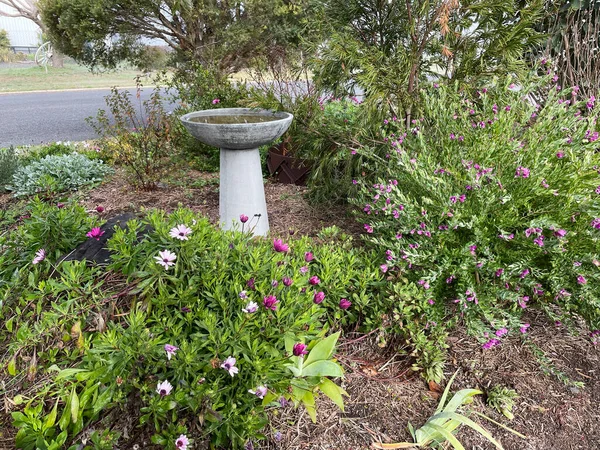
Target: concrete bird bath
x,y
238,132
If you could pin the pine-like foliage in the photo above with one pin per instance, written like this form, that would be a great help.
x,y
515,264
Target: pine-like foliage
x,y
387,48
490,205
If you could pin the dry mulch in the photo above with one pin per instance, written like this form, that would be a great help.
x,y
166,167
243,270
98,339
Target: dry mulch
x,y
288,210
385,394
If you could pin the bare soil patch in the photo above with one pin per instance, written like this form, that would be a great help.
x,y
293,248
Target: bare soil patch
x,y
289,212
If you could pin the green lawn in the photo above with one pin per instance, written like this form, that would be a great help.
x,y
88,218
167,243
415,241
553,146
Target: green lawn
x,y
72,76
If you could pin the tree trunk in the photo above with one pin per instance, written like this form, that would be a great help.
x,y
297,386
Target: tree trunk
x,y
58,59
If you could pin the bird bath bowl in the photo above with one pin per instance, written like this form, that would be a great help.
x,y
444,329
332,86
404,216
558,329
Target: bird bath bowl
x,y
238,132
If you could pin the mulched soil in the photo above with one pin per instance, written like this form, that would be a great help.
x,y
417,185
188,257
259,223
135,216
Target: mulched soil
x,y
199,191
385,394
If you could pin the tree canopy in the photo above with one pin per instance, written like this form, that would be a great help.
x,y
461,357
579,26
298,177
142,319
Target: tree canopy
x,y
228,34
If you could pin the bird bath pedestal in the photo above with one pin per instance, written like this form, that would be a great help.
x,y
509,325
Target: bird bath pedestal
x,y
238,132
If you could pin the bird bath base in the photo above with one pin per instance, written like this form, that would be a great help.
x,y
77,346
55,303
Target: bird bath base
x,y
238,132
242,191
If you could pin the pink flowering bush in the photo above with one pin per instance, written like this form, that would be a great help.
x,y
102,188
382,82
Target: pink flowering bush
x,y
489,205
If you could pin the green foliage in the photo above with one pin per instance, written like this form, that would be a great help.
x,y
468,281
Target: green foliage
x,y
195,88
388,49
56,230
4,40
502,399
9,162
27,155
54,174
153,58
6,55
137,137
489,204
102,33
321,135
100,362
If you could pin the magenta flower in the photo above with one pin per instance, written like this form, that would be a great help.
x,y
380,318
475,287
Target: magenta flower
x,y
100,209
308,256
345,303
491,343
539,241
524,273
243,295
274,283
300,349
171,350
596,223
314,280
40,255
472,249
182,442
260,391
243,218
368,228
384,268
319,297
501,332
215,101
581,280
303,269
180,232
250,308
279,246
270,302
524,328
287,281
60,205
522,172
560,233
590,102
229,366
560,155
164,388
95,233
166,259
595,337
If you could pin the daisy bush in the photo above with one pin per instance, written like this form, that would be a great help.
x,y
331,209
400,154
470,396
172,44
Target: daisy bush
x,y
218,329
489,205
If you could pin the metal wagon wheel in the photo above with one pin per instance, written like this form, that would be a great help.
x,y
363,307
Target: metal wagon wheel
x,y
43,55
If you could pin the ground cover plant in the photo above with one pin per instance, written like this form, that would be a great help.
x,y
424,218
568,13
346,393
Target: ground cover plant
x,y
54,174
197,332
489,205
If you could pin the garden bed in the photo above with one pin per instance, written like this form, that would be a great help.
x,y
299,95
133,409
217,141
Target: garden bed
x,y
385,394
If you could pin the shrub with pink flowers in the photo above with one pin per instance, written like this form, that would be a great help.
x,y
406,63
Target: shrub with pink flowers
x,y
489,205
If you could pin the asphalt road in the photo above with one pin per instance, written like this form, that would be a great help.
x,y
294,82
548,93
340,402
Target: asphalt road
x,y
35,118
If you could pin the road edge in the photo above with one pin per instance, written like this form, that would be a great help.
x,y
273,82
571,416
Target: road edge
x,y
46,91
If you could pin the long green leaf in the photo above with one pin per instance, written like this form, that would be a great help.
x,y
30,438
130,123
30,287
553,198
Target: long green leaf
x,y
515,432
466,421
333,391
445,394
323,349
460,399
322,369
445,434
